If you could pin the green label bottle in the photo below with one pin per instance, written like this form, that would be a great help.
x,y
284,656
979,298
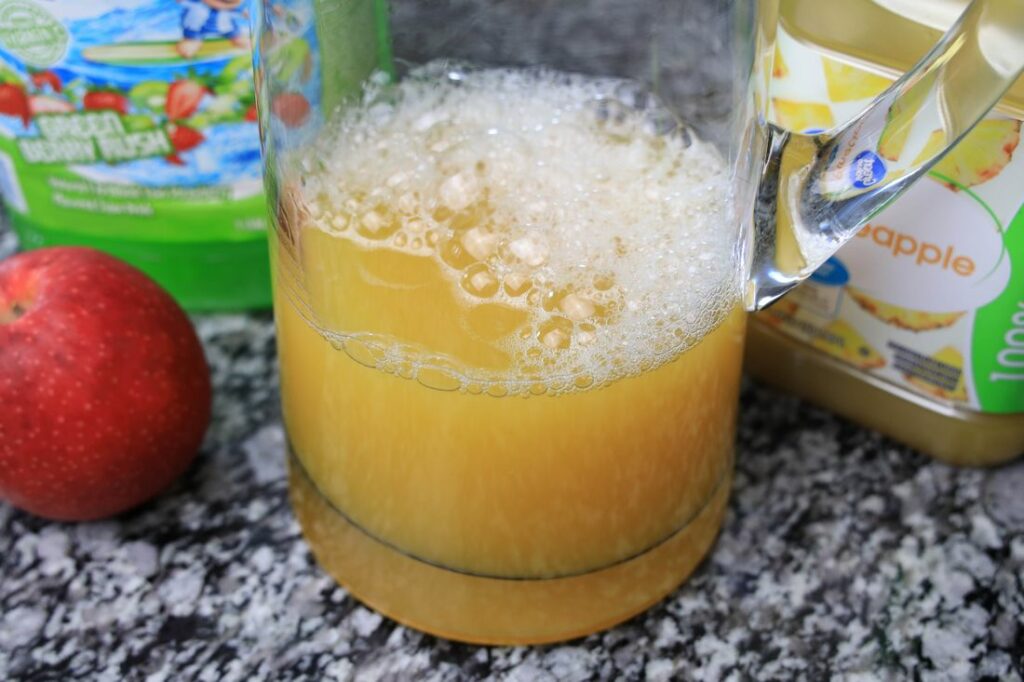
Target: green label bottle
x,y
131,126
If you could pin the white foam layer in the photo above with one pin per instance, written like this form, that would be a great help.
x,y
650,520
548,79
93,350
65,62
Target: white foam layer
x,y
578,200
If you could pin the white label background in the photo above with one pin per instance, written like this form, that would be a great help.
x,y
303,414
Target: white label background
x,y
931,212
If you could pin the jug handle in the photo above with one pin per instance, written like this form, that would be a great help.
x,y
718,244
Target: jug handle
x,y
814,192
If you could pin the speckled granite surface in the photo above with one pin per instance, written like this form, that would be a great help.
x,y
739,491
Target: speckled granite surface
x,y
844,556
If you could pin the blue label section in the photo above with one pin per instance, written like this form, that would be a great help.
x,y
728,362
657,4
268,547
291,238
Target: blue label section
x,y
867,169
832,273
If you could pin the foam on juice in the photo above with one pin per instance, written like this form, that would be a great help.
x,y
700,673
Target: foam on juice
x,y
581,202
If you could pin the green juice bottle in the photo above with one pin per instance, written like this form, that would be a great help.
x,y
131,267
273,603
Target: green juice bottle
x,y
131,126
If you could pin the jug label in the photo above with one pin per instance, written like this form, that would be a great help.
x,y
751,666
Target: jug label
x,y
930,294
130,119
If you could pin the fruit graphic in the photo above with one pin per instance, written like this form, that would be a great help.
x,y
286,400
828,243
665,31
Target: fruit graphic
x,y
945,376
252,114
980,156
779,68
149,95
183,98
802,117
291,108
46,104
894,135
182,139
904,318
105,99
41,79
840,340
134,123
290,59
14,102
848,83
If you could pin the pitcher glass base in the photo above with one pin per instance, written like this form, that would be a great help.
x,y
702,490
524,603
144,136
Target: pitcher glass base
x,y
484,610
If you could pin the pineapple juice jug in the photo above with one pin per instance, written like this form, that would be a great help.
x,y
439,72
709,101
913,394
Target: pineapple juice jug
x,y
915,327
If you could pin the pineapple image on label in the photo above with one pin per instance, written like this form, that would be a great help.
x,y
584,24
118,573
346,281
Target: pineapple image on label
x,y
802,117
980,156
848,83
904,318
840,340
779,68
948,364
895,133
899,121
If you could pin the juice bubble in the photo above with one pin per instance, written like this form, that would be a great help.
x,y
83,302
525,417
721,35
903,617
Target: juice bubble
x,y
455,255
517,284
377,224
366,354
439,379
586,334
530,249
479,281
480,243
459,191
556,333
577,307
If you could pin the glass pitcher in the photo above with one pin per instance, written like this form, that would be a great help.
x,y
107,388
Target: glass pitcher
x,y
514,246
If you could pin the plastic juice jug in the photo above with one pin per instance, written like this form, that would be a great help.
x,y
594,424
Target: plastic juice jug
x,y
916,327
131,126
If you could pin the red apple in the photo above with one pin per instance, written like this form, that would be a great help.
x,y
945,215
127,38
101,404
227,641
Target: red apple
x,y
104,390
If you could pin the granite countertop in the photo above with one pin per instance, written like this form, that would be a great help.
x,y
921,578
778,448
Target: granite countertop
x,y
843,554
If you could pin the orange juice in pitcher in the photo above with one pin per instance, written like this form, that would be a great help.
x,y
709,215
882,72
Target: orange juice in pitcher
x,y
515,359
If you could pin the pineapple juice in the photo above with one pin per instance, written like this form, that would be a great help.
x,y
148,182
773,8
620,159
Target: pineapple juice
x,y
510,341
916,326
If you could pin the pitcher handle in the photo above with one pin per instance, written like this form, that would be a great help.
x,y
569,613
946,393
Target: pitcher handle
x,y
815,192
